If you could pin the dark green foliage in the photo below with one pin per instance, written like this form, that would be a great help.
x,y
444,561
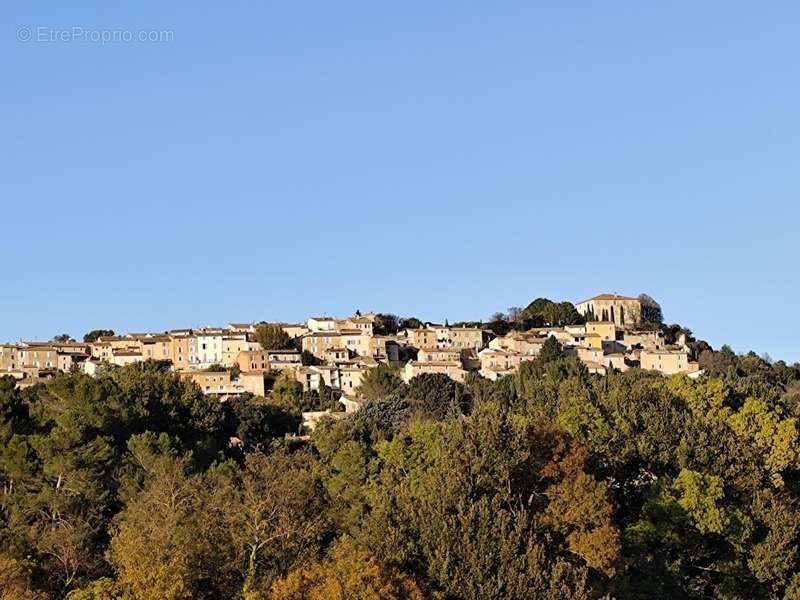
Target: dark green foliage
x,y
550,351
547,312
437,396
379,382
95,334
272,337
386,324
308,359
549,483
539,313
410,323
651,310
256,422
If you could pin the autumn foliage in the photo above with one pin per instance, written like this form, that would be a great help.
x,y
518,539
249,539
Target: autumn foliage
x,y
550,483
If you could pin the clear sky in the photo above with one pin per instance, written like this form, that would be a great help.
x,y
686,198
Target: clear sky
x,y
272,160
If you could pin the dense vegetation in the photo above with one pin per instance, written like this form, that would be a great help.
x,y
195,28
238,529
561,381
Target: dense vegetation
x,y
551,483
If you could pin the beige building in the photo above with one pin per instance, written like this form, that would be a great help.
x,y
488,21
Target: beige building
x,y
666,361
220,383
462,338
644,339
317,343
495,363
311,419
350,378
447,337
308,377
102,351
426,355
233,344
39,356
617,361
422,337
588,340
105,346
277,360
294,331
351,403
346,378
183,346
250,361
252,383
528,343
331,375
123,357
156,347
364,324
356,341
336,355
68,360
605,329
452,369
210,382
573,329
10,359
71,347
624,311
588,355
242,327
384,347
319,324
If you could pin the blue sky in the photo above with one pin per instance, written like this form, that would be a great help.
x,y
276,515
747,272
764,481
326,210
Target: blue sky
x,y
444,160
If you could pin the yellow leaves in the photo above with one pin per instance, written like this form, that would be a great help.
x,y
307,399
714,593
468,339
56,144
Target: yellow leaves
x,y
599,547
756,421
14,581
704,397
777,438
150,564
350,573
698,496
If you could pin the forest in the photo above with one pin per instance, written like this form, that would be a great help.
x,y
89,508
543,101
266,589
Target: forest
x,y
551,483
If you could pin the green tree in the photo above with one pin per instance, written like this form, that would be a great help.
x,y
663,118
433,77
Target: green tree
x,y
171,541
437,396
95,334
543,311
379,383
651,310
464,491
278,516
308,359
287,392
386,324
272,337
257,422
550,351
410,323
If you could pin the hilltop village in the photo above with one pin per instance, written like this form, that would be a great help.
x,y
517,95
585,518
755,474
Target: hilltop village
x,y
562,451
606,332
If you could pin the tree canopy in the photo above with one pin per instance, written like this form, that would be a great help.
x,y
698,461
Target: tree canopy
x,y
272,337
548,483
96,334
